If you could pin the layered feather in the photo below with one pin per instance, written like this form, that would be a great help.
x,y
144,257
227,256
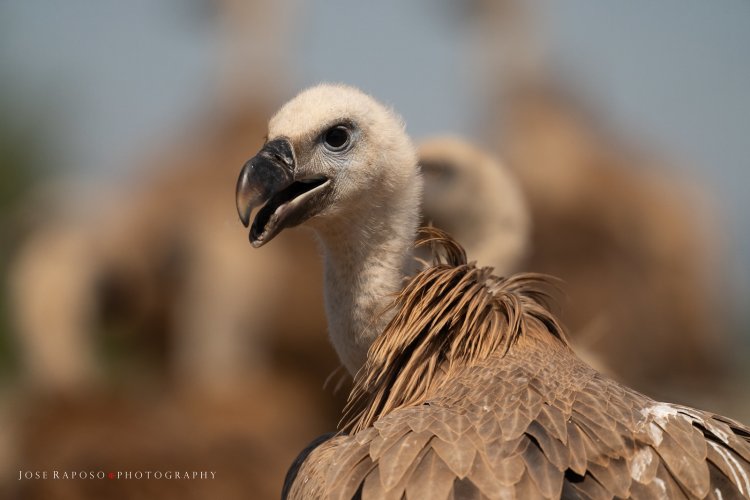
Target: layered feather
x,y
473,392
450,316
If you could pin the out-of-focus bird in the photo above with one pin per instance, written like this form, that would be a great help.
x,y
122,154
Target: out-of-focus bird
x,y
635,237
635,244
468,387
476,199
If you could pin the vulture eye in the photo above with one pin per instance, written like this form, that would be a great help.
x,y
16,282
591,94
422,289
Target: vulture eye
x,y
336,138
438,169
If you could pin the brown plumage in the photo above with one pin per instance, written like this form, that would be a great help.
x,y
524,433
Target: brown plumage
x,y
472,391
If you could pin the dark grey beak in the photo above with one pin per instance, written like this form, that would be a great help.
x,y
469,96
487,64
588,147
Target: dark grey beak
x,y
265,174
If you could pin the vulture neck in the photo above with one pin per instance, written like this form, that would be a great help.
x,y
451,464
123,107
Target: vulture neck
x,y
367,255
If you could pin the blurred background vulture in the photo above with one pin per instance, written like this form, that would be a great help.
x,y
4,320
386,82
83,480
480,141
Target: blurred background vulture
x,y
133,314
466,386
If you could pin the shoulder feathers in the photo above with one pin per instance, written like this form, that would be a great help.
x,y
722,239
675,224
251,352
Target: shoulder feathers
x,y
473,392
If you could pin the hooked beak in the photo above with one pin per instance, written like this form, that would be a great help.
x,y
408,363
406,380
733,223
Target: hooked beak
x,y
266,173
269,179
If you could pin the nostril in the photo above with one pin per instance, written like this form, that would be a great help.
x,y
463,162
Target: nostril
x,y
284,160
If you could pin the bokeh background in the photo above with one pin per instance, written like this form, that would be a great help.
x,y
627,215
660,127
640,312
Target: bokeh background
x,y
139,330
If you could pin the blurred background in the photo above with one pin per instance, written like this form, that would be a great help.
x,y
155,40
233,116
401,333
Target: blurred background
x,y
140,331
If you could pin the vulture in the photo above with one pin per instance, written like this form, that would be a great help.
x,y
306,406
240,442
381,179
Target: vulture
x,y
466,386
477,200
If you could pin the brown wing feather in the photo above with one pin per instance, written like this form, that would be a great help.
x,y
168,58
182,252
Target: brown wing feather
x,y
473,392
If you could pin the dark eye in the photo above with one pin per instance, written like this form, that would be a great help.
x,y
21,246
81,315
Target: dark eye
x,y
439,170
336,138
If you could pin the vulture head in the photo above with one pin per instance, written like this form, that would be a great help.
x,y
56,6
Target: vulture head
x,y
340,162
476,199
332,153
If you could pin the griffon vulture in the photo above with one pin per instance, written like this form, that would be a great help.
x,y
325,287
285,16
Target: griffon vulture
x,y
467,387
477,200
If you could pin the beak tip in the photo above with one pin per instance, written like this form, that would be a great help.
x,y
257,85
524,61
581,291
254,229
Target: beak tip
x,y
242,197
244,216
256,243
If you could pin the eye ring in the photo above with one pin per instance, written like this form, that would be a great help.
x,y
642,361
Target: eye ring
x,y
336,138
